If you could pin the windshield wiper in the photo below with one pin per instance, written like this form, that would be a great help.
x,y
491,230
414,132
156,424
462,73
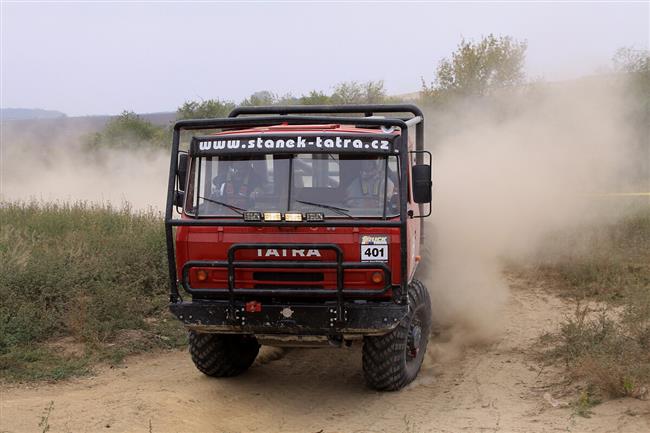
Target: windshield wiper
x,y
233,208
338,210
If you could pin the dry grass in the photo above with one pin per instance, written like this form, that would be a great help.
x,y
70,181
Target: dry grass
x,y
79,283
605,270
608,350
602,262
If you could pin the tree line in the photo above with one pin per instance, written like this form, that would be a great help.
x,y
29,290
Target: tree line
x,y
475,69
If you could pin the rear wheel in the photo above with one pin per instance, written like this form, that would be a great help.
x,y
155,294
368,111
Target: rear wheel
x,y
393,360
222,355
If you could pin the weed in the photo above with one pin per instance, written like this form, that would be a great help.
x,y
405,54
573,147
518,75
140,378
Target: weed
x,y
95,274
409,426
45,419
582,406
605,349
606,342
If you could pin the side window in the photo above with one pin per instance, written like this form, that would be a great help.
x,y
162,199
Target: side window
x,y
190,193
203,180
200,184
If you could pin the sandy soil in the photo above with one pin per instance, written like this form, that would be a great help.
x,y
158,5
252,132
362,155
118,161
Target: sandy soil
x,y
496,387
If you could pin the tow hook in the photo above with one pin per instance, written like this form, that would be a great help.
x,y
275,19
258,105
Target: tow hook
x,y
253,307
335,340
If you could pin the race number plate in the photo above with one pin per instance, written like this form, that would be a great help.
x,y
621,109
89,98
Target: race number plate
x,y
374,248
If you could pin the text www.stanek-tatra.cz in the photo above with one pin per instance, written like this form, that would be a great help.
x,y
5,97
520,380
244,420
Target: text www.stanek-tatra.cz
x,y
297,143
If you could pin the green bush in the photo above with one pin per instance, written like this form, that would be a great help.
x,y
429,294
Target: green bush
x,y
83,271
207,109
128,131
477,69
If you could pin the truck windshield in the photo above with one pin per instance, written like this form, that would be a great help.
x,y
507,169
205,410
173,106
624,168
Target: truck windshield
x,y
339,186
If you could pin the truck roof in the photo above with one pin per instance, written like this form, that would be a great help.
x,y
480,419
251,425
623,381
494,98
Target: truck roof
x,y
285,127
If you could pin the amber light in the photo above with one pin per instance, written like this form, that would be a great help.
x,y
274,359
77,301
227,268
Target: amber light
x,y
377,277
201,275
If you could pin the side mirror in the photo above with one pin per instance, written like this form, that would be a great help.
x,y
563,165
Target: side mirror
x,y
179,198
181,171
421,183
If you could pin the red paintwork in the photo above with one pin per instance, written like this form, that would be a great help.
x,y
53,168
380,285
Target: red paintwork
x,y
212,243
303,128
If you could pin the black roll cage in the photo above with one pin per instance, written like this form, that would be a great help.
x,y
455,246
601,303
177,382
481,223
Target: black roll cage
x,y
300,115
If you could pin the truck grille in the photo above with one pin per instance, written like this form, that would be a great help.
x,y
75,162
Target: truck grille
x,y
292,287
288,276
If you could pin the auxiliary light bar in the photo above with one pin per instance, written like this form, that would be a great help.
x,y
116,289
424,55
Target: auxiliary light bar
x,y
255,216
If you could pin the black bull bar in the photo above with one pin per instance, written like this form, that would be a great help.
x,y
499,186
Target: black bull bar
x,y
231,314
298,319
227,311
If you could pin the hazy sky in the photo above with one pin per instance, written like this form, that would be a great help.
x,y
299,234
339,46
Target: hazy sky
x,y
102,58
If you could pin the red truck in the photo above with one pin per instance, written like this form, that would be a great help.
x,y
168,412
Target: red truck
x,y
301,226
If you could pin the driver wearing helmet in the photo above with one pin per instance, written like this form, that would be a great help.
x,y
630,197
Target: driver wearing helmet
x,y
368,186
236,182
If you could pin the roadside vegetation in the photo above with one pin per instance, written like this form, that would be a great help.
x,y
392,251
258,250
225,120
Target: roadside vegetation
x,y
127,131
80,283
605,271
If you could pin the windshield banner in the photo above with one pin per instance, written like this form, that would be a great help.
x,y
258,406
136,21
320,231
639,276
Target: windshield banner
x,y
308,143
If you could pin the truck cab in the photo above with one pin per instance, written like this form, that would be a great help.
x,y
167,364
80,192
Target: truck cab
x,y
299,226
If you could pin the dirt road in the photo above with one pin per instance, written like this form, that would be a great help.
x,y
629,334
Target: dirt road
x,y
496,387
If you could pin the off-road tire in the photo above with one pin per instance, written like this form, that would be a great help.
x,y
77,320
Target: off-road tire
x,y
391,361
222,355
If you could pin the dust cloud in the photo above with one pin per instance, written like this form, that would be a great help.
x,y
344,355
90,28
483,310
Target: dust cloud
x,y
55,167
508,171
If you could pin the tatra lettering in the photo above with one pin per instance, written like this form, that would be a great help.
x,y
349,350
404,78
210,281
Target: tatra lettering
x,y
272,252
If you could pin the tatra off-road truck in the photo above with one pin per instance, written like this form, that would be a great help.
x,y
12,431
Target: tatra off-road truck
x,y
301,226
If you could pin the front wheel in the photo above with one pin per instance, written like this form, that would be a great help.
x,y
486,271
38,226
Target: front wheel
x,y
222,355
391,361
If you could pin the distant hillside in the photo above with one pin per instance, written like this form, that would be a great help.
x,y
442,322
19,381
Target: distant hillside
x,y
63,130
29,113
162,118
407,97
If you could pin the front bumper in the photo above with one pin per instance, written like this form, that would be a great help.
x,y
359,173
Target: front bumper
x,y
358,318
